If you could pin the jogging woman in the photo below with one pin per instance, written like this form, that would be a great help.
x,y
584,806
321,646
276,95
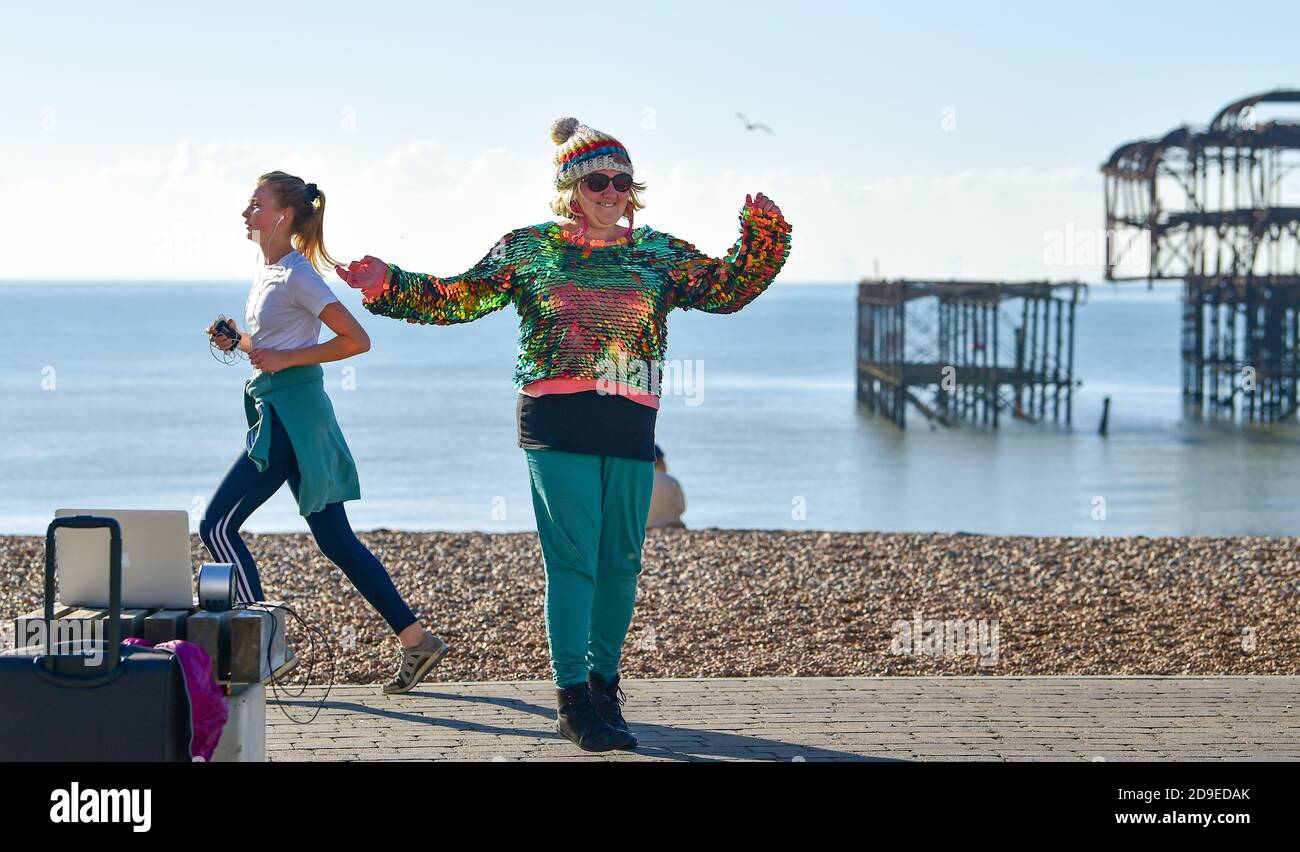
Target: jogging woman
x,y
592,299
293,435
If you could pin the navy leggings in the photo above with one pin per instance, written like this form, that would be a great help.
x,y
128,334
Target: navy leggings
x,y
245,488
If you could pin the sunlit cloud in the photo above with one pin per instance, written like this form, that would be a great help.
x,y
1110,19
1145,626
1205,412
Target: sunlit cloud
x,y
433,207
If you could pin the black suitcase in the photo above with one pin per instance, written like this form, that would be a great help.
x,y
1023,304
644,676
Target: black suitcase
x,y
60,706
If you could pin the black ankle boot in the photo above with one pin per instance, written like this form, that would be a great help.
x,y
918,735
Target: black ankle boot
x,y
606,696
577,721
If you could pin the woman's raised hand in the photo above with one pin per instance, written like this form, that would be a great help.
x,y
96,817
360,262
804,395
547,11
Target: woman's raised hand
x,y
367,275
762,202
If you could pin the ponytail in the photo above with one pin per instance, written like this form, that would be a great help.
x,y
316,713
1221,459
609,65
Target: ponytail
x,y
308,205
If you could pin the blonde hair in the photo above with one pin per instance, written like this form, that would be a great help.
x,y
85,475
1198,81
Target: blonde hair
x,y
565,202
308,206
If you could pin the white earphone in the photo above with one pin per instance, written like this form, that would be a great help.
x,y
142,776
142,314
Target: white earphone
x,y
268,239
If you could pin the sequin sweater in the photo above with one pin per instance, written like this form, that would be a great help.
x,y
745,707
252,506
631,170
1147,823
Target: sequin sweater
x,y
590,309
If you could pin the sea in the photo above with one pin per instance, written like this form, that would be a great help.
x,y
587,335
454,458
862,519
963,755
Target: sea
x,y
110,397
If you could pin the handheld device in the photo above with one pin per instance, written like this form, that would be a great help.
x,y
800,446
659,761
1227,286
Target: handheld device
x,y
222,326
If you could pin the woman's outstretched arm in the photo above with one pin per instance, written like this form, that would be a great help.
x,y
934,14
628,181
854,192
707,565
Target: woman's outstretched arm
x,y
724,285
389,291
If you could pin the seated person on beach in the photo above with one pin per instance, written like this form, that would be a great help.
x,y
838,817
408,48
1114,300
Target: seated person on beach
x,y
667,502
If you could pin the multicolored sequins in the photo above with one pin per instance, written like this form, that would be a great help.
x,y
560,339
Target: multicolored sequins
x,y
585,304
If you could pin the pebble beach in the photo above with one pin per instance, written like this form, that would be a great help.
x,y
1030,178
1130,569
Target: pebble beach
x,y
749,603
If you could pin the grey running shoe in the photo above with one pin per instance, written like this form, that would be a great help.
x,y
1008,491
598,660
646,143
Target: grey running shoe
x,y
416,663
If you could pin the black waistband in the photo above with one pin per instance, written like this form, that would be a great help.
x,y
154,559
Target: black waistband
x,y
590,422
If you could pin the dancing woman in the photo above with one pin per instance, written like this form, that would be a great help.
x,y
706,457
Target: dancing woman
x,y
293,434
592,299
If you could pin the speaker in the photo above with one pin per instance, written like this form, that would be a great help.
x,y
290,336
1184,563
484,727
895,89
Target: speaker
x,y
216,586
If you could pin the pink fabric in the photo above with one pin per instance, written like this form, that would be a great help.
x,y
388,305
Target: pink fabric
x,y
567,385
208,708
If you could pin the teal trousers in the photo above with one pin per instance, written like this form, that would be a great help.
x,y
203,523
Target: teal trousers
x,y
591,513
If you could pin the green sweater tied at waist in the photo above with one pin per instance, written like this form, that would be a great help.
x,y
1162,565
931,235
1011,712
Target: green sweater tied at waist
x,y
298,396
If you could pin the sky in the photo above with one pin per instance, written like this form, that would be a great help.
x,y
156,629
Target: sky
x,y
909,140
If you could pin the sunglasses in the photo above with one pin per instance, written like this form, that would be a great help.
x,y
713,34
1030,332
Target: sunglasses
x,y
597,182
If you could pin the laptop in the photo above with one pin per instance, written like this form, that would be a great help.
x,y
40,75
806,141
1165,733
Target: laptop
x,y
157,571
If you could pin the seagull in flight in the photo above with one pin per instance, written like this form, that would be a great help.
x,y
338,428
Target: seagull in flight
x,y
749,125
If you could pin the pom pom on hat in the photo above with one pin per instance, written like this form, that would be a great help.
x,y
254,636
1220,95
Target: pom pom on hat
x,y
562,129
582,150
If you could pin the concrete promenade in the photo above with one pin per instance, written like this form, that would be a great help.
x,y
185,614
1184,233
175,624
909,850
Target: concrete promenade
x,y
815,719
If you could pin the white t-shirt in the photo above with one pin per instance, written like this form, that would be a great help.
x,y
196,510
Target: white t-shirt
x,y
284,305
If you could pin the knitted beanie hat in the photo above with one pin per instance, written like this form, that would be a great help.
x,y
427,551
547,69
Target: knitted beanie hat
x,y
583,150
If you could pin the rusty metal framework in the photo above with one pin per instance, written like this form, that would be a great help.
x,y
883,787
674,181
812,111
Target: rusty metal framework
x,y
954,350
1219,208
